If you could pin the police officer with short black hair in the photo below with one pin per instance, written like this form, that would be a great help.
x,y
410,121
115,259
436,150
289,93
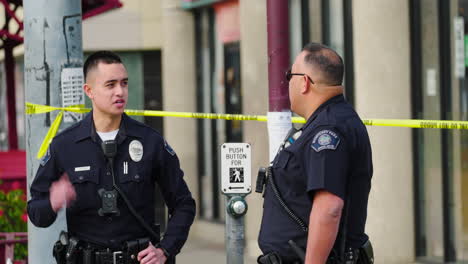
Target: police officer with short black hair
x,y
317,187
104,169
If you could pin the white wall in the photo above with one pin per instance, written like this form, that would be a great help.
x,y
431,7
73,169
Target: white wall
x,y
382,90
254,67
134,26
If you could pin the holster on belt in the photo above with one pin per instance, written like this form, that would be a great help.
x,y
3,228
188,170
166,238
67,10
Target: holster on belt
x,y
133,247
65,249
59,252
270,258
362,255
366,253
72,251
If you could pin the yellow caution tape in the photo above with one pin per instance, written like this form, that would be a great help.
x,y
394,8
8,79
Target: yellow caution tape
x,y
32,109
417,123
413,123
50,135
196,115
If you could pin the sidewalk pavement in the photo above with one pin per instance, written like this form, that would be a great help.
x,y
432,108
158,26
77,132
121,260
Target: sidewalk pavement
x,y
196,251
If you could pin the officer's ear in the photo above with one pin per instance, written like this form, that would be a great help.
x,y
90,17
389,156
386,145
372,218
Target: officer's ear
x,y
307,85
88,90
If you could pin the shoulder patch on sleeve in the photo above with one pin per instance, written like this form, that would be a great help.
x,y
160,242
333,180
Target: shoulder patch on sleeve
x,y
168,148
325,139
46,158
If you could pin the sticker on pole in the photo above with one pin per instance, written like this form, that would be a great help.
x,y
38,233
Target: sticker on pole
x,y
72,92
236,165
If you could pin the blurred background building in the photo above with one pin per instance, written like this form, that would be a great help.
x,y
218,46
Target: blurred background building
x,y
404,59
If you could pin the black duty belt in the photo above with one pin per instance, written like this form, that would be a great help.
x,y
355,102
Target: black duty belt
x,y
80,252
127,255
363,255
113,257
103,256
275,258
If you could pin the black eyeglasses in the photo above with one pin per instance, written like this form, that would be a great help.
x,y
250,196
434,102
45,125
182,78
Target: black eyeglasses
x,y
289,76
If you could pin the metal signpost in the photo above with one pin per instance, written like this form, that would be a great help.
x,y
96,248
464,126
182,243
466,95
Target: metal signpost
x,y
235,184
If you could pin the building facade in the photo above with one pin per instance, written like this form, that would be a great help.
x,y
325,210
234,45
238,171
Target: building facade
x,y
404,60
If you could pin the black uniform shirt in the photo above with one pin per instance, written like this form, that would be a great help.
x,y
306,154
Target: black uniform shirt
x,y
77,151
333,148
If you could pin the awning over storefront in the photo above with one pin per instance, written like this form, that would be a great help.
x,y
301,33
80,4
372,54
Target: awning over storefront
x,y
192,4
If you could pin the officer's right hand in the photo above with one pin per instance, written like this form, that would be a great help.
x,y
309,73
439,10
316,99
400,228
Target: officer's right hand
x,y
151,255
62,193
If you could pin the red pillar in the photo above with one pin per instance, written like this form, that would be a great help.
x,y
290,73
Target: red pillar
x,y
10,94
278,54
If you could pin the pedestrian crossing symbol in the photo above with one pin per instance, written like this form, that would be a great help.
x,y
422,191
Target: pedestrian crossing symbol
x,y
236,168
236,175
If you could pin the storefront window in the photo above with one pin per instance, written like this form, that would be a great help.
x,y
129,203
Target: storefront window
x,y
439,93
219,91
337,33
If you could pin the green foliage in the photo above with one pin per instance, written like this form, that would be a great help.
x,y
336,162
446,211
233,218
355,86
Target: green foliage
x,y
13,217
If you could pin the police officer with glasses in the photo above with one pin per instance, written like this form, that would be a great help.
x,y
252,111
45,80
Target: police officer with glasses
x,y
316,189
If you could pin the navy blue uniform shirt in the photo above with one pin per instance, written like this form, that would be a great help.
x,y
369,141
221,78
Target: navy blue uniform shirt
x,y
333,150
77,151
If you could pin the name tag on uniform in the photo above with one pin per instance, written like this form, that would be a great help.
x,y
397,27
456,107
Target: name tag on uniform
x,y
85,168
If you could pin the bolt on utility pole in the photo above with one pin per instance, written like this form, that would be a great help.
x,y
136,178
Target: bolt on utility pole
x,y
53,59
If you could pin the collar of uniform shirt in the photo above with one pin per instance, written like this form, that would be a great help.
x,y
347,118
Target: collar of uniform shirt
x,y
87,129
333,100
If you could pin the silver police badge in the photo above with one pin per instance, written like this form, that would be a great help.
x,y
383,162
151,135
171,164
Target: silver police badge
x,y
135,149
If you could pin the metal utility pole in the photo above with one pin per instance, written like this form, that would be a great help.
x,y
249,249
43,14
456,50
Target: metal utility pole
x,y
279,115
53,45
